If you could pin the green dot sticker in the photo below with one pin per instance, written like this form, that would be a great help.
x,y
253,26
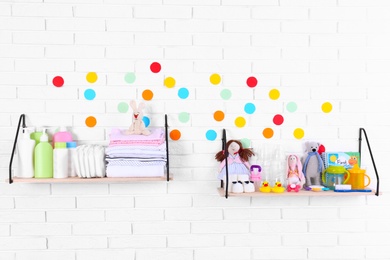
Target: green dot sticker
x,y
184,117
123,107
291,107
226,94
246,143
130,77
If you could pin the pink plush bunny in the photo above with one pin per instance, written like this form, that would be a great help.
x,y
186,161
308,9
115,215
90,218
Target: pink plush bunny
x,y
137,126
295,177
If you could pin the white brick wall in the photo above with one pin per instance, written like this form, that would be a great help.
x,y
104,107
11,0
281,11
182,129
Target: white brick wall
x,y
312,51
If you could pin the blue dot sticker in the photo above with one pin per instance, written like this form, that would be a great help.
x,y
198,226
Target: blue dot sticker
x,y
89,94
183,93
211,135
249,108
146,121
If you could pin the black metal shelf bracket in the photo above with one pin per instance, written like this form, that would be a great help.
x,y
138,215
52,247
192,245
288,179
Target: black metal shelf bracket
x,y
226,153
22,121
166,144
362,130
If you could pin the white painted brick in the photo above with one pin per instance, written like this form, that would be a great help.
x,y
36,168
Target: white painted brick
x,y
337,40
74,52
193,214
309,27
103,10
378,39
171,201
165,254
377,252
310,213
75,24
19,78
45,203
223,253
5,9
238,53
137,25
104,38
249,240
22,23
135,215
4,230
103,65
221,12
193,26
74,242
20,243
278,227
312,79
338,13
42,37
7,255
310,54
219,227
134,52
222,39
102,228
283,66
67,106
163,12
79,189
194,53
138,188
376,13
281,253
226,66
310,240
280,13
55,216
5,120
195,241
52,93
191,2
137,241
46,255
44,65
162,39
20,189
161,228
123,254
339,252
343,226
41,10
369,239
21,51
252,214
7,65
323,3
193,187
41,229
105,202
5,37
279,39
338,67
252,26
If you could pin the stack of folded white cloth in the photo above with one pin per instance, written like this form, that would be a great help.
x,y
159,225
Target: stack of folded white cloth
x,y
89,161
136,155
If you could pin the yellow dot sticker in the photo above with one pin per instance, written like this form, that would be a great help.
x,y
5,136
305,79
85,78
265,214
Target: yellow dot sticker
x,y
274,94
327,107
169,82
215,79
92,77
268,133
240,121
299,133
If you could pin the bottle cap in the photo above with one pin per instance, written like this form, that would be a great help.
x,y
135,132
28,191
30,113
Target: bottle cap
x,y
71,144
44,136
59,145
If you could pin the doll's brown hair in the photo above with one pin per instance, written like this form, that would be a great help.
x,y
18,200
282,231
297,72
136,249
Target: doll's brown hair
x,y
244,153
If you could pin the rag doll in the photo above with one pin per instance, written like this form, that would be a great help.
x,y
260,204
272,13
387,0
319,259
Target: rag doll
x,y
313,164
238,166
137,126
295,177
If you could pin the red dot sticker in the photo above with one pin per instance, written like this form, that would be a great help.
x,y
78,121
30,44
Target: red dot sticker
x,y
155,67
58,81
251,82
278,119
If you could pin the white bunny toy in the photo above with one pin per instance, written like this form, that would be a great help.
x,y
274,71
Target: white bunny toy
x,y
137,126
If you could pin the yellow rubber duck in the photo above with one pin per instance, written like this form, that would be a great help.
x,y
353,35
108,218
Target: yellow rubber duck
x,y
278,187
265,187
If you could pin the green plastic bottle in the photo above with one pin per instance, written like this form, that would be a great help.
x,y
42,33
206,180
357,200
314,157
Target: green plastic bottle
x,y
43,159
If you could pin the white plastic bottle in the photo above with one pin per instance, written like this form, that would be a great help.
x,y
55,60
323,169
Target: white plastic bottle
x,y
71,146
25,150
60,160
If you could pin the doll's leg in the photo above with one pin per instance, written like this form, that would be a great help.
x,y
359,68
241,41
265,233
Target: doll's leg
x,y
247,184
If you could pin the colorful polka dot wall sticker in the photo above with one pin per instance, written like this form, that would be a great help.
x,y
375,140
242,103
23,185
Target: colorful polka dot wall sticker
x,y
226,94
155,67
89,94
215,79
123,107
240,122
183,93
147,94
90,121
274,94
169,82
249,108
326,107
130,77
251,82
299,133
58,81
175,134
146,121
219,115
291,107
92,77
278,119
211,135
268,133
246,143
184,117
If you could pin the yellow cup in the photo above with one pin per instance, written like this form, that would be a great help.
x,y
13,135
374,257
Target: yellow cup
x,y
358,178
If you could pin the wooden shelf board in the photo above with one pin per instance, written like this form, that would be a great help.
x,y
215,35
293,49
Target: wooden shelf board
x,y
89,180
329,193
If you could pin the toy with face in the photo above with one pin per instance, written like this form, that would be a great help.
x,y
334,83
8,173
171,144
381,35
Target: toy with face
x,y
313,164
295,177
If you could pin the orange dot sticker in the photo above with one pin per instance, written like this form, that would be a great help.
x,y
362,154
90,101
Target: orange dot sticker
x,y
299,133
268,133
169,82
91,77
90,121
219,115
147,94
175,134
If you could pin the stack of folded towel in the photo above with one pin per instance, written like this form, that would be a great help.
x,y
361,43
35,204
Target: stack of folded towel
x,y
136,155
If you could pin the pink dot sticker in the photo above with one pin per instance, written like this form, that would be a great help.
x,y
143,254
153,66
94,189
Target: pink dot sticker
x,y
251,82
155,67
58,81
278,119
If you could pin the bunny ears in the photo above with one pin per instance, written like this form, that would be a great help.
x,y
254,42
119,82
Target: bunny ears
x,y
133,105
